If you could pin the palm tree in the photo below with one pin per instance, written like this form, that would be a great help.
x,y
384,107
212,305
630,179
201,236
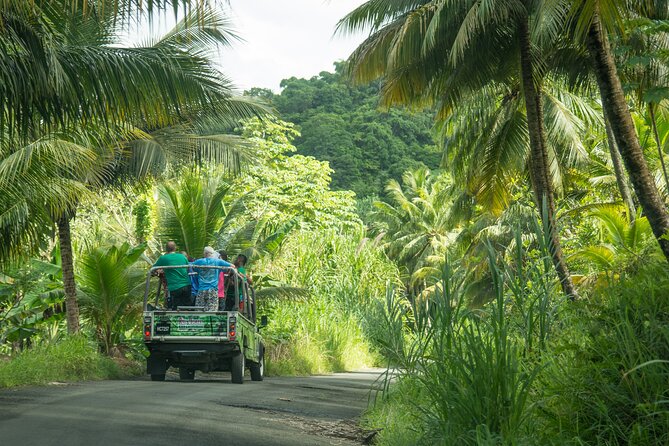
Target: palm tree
x,y
193,210
621,178
442,51
198,209
644,71
37,173
128,6
60,65
40,189
111,286
170,83
489,154
593,18
415,222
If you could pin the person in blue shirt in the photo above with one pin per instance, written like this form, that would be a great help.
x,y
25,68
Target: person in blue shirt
x,y
207,295
193,279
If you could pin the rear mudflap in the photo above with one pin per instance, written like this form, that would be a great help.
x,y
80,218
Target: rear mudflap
x,y
156,364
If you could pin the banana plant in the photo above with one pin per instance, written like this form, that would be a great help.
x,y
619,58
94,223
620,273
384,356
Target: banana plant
x,y
31,304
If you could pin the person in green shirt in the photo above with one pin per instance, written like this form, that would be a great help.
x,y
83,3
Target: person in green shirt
x,y
178,281
240,263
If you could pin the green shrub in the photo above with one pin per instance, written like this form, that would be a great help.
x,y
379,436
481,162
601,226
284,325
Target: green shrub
x,y
529,369
609,381
72,359
110,291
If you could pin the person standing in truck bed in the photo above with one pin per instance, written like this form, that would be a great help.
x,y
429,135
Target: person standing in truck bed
x,y
178,282
240,264
223,255
193,279
207,295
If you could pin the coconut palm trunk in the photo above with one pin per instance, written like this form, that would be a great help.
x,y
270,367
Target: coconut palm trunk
x,y
539,164
619,171
622,126
65,241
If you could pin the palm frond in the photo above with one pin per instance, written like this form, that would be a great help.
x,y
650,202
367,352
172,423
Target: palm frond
x,y
203,28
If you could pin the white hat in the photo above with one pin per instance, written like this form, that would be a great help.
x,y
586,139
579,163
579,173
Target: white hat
x,y
208,251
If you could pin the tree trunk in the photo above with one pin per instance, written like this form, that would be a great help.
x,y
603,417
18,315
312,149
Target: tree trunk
x,y
65,240
660,152
617,161
622,126
539,167
107,336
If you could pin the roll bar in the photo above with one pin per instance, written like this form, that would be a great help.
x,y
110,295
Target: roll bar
x,y
147,287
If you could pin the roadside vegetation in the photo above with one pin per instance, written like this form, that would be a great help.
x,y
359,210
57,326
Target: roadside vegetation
x,y
495,234
72,359
526,368
534,263
337,324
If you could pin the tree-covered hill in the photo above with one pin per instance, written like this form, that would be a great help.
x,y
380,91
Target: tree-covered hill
x,y
342,124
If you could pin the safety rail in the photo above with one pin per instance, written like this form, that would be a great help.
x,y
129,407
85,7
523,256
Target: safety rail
x,y
247,292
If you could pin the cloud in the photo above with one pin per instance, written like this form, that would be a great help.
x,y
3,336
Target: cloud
x,y
285,38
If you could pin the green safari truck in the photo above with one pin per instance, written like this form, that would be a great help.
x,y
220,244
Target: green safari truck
x,y
191,339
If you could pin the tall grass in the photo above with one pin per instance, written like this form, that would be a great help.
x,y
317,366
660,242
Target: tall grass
x,y
70,359
465,366
331,330
315,336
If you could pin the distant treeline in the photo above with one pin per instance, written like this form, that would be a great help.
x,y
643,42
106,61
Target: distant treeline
x,y
343,124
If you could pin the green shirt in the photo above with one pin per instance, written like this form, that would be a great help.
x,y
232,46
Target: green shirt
x,y
178,277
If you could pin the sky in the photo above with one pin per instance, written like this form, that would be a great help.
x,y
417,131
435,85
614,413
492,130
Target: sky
x,y
285,38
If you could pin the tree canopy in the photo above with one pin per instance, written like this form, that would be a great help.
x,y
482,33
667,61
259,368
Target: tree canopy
x,y
340,123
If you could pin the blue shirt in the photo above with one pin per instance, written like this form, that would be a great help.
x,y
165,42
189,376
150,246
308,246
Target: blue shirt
x,y
193,281
208,278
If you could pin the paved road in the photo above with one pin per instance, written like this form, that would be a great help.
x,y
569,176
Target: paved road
x,y
319,410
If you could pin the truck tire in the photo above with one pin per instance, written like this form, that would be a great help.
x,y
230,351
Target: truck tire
x,y
186,374
258,368
237,366
158,377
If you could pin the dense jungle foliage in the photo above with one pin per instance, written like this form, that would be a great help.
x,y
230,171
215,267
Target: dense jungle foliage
x,y
342,124
476,199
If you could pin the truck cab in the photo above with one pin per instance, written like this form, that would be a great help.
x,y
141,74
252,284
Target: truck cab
x,y
191,339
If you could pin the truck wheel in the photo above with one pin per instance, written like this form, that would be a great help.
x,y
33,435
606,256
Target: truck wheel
x,y
258,368
158,377
186,374
237,368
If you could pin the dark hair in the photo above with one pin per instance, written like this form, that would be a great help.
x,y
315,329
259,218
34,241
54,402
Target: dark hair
x,y
171,246
242,258
223,254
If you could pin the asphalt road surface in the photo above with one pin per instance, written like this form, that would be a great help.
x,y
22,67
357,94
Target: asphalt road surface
x,y
317,410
